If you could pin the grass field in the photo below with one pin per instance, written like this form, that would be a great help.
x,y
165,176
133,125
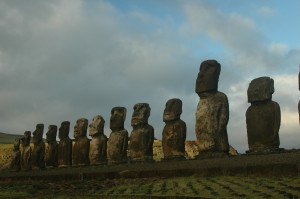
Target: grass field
x,y
193,186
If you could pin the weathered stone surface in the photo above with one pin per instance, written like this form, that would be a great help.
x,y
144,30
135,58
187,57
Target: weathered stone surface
x,y
174,132
208,76
211,123
263,123
98,145
81,147
118,140
142,135
260,89
52,147
64,155
26,151
15,164
212,112
38,152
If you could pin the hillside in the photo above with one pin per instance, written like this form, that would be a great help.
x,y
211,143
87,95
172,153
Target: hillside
x,y
8,138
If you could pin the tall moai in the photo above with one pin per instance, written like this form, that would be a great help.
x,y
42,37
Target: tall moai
x,y
81,147
142,136
26,151
174,133
118,140
262,117
15,164
38,152
52,147
64,154
212,112
98,145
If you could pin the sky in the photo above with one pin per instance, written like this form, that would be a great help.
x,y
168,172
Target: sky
x,y
69,59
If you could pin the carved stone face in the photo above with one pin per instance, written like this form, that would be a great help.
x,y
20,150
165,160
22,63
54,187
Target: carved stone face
x,y
80,128
26,139
117,119
51,134
260,89
140,114
38,134
172,110
17,144
97,126
64,130
208,76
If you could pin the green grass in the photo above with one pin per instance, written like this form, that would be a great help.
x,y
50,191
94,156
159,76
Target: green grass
x,y
193,186
8,138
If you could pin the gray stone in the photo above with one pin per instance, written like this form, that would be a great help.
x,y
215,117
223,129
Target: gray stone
x,y
26,151
52,147
15,164
64,155
142,135
81,147
38,152
118,140
260,89
174,132
98,145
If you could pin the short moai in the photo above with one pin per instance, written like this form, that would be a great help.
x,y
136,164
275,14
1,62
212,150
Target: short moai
x,y
52,147
26,151
262,117
15,164
38,151
64,154
98,145
174,132
81,147
142,136
118,140
212,112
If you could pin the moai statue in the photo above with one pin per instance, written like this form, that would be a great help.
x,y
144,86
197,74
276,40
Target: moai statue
x,y
118,140
174,133
26,151
38,152
51,150
64,155
81,147
15,164
142,136
212,112
262,117
98,145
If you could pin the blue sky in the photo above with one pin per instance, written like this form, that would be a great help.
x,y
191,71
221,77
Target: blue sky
x,y
63,60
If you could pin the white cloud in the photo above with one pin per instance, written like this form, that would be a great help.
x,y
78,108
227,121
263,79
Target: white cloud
x,y
266,11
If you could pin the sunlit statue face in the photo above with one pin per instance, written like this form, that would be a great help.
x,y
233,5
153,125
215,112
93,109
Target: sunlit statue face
x,y
140,114
51,134
64,130
208,76
80,128
117,119
172,110
97,126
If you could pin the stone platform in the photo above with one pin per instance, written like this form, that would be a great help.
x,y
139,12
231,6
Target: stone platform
x,y
285,163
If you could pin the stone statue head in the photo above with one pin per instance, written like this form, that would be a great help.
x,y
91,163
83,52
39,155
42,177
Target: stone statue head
x,y
172,110
117,118
51,134
140,114
64,130
26,139
208,77
17,144
80,128
97,126
38,134
260,89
